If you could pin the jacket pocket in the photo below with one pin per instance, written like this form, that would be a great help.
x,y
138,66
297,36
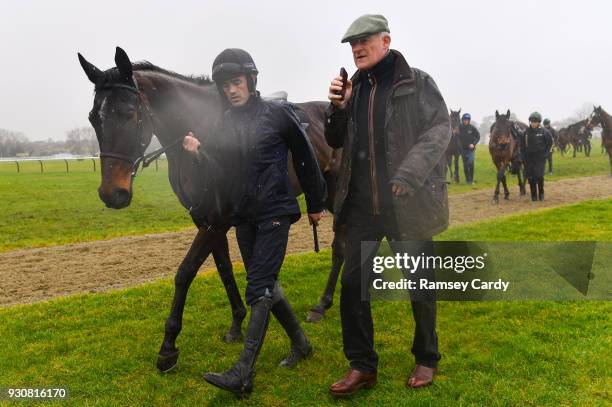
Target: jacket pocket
x,y
425,213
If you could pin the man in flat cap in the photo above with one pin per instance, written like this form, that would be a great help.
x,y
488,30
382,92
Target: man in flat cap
x,y
394,127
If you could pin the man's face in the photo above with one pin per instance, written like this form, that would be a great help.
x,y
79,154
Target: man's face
x,y
367,52
466,122
236,90
534,124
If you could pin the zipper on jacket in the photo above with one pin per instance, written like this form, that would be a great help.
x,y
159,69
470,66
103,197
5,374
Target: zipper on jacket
x,y
375,204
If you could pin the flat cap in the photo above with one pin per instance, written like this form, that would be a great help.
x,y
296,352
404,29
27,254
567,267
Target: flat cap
x,y
365,26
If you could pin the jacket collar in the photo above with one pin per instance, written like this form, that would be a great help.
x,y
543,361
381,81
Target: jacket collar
x,y
401,70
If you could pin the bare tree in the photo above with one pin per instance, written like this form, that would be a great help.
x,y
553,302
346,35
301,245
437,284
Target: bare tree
x,y
82,141
579,114
12,143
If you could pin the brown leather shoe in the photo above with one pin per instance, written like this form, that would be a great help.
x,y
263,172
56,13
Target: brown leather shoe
x,y
352,382
421,376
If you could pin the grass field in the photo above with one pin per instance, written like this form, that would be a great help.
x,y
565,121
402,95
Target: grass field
x,y
58,207
103,347
588,220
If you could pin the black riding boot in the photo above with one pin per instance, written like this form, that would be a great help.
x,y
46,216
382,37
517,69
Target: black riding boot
x,y
541,188
533,189
239,378
471,166
300,346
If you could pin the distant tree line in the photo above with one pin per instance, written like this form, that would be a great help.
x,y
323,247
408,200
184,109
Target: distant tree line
x,y
79,141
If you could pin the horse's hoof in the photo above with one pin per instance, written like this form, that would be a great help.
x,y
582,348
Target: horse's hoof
x,y
166,363
507,197
233,337
496,199
315,315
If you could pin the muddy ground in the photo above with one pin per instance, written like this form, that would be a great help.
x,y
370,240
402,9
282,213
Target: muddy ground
x,y
31,275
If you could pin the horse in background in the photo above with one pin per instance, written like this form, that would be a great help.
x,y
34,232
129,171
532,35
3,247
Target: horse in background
x,y
563,140
453,151
600,117
578,135
504,148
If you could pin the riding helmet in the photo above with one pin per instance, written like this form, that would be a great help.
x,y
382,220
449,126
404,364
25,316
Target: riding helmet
x,y
466,116
232,62
546,122
535,117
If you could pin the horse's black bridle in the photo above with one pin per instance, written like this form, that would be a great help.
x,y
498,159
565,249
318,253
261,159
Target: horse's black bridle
x,y
145,159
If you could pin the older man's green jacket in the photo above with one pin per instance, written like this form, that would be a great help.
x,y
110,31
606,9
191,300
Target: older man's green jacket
x,y
417,132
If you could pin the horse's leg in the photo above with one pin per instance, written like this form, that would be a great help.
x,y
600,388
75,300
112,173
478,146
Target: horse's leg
x,y
504,182
317,313
496,194
198,252
221,255
521,179
456,156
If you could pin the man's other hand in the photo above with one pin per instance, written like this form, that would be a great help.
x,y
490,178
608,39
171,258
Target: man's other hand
x,y
191,144
314,218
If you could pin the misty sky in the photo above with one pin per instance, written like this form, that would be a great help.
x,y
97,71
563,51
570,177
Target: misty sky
x,y
551,56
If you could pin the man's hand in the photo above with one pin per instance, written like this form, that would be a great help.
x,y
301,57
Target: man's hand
x,y
471,146
191,144
314,218
335,87
398,190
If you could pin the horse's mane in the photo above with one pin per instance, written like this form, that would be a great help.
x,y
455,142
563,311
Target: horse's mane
x,y
148,66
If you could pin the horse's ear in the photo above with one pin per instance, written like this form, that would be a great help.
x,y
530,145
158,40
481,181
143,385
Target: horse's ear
x,y
93,73
123,63
459,112
599,108
496,115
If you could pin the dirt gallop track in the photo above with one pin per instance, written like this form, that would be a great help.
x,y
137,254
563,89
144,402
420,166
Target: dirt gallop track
x,y
36,274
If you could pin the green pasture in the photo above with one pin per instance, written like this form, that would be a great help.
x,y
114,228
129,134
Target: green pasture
x,y
103,346
55,207
587,220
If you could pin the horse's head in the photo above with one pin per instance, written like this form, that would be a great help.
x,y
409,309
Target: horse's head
x,y
118,119
595,118
455,119
501,131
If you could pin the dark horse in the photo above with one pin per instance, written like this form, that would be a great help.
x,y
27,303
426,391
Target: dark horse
x,y
563,140
504,149
134,101
453,151
578,135
602,118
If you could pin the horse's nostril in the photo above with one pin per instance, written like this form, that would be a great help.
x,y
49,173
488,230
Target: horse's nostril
x,y
120,198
